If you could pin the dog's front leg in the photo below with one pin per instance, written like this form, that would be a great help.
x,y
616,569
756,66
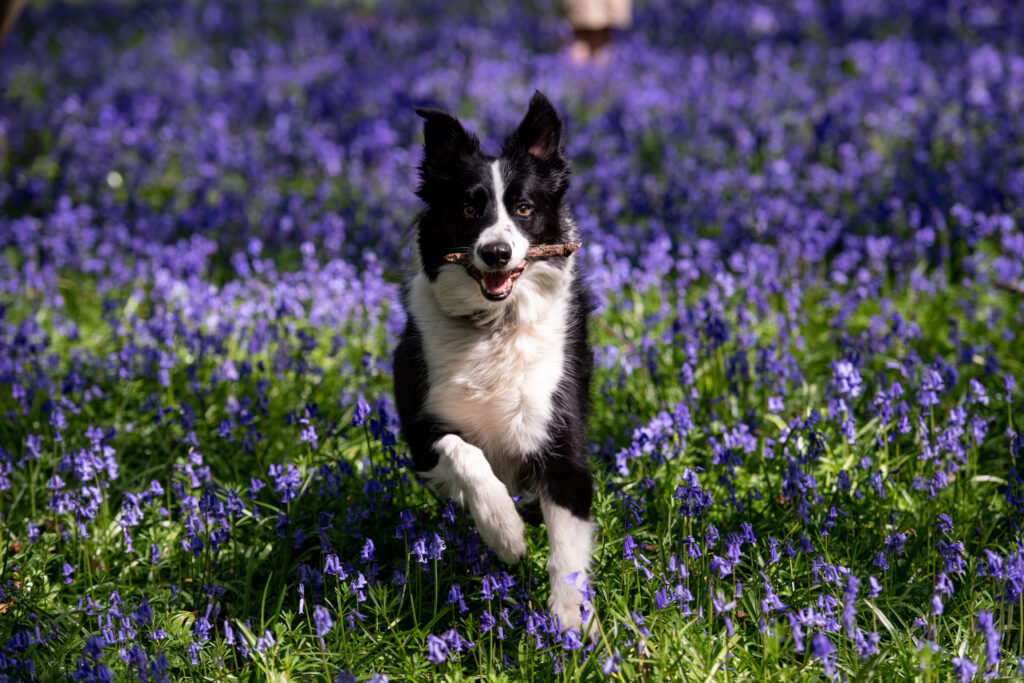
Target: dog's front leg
x,y
462,469
571,539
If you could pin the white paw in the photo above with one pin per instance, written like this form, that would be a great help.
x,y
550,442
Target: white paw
x,y
464,467
565,603
500,526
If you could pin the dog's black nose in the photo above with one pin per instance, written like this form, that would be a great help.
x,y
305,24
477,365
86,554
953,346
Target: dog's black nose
x,y
496,253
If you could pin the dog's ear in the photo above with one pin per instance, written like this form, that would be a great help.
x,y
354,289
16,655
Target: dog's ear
x,y
445,141
540,133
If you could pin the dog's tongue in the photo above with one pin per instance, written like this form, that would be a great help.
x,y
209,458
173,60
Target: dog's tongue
x,y
498,282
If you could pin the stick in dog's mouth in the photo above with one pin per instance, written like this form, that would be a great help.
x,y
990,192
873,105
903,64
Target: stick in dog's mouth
x,y
497,284
538,252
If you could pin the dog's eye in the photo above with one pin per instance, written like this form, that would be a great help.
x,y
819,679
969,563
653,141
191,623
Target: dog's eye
x,y
468,211
524,210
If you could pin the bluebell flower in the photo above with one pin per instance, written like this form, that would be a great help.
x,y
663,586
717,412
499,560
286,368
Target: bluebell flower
x,y
308,434
932,383
976,392
610,665
435,546
455,598
986,626
437,649
143,614
362,411
964,668
322,621
366,554
286,481
265,642
94,647
823,649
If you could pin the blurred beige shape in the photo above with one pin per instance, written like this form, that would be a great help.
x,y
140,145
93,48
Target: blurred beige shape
x,y
9,10
592,22
598,14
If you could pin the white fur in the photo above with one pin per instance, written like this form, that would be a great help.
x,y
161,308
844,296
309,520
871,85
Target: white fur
x,y
503,229
493,378
571,540
463,473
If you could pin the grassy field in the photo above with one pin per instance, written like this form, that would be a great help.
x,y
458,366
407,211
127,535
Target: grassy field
x,y
809,382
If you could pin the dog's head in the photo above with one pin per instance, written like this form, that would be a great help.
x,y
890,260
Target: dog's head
x,y
491,208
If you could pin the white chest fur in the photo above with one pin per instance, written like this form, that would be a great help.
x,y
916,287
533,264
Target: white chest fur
x,y
495,384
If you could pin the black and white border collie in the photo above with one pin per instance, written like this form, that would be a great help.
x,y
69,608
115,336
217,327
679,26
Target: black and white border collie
x,y
493,371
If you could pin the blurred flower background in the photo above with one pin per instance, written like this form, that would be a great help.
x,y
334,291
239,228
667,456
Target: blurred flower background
x,y
802,224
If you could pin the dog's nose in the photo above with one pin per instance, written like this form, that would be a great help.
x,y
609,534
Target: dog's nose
x,y
496,253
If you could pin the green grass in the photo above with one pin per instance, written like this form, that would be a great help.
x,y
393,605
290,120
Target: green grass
x,y
256,571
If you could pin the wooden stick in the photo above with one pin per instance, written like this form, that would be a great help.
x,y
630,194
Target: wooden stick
x,y
1011,287
535,253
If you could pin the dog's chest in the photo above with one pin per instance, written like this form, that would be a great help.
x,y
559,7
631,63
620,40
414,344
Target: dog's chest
x,y
497,389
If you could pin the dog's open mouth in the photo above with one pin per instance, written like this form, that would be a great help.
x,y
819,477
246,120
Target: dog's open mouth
x,y
496,284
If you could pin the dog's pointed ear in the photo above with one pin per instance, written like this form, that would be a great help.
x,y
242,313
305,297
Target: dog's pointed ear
x,y
540,133
444,139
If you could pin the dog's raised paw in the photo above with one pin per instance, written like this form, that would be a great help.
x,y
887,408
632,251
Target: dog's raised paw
x,y
499,524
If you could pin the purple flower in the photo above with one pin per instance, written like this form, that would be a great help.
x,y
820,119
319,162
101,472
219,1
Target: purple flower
x,y
894,543
333,566
943,587
360,414
94,646
437,649
286,481
265,642
866,644
571,640
322,621
847,380
823,649
435,546
880,561
849,610
308,434
976,392
988,629
964,668
143,614
455,598
366,554
610,665
932,383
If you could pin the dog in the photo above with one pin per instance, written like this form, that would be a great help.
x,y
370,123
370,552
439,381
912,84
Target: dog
x,y
492,373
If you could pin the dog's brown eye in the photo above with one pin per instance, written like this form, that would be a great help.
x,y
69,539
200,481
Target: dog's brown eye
x,y
468,211
524,210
